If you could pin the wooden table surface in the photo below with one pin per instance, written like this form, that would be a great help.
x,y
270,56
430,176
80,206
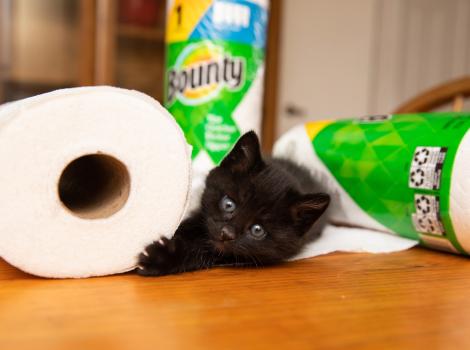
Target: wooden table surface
x,y
412,299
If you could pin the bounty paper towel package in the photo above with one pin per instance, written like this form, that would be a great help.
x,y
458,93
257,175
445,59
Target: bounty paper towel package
x,y
89,177
214,74
403,174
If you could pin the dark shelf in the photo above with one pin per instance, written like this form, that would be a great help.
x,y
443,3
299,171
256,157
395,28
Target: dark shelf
x,y
138,32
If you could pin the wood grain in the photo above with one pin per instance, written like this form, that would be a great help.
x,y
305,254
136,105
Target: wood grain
x,y
86,42
413,299
105,39
270,97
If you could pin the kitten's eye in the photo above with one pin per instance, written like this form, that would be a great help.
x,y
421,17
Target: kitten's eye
x,y
257,232
227,204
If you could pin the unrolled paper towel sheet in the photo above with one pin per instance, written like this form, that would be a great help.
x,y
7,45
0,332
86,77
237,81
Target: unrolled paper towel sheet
x,y
357,240
89,177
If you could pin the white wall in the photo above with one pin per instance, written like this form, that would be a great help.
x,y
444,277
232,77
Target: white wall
x,y
344,58
418,45
325,59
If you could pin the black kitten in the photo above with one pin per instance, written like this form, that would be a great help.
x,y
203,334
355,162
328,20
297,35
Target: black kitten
x,y
253,212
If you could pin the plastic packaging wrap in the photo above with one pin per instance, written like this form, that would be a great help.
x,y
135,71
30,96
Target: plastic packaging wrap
x,y
214,74
403,174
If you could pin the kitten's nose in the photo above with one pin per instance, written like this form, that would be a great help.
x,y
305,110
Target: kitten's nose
x,y
227,233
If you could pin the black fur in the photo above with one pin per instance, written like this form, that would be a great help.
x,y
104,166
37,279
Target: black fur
x,y
274,193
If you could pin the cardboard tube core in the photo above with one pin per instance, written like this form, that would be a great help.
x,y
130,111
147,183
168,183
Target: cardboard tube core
x,y
94,186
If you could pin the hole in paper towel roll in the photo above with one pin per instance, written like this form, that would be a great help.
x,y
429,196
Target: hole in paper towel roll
x,y
94,186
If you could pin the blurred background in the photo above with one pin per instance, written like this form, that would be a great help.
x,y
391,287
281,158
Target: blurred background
x,y
326,58
51,44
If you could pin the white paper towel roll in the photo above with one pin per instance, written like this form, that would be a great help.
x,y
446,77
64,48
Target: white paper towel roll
x,y
89,177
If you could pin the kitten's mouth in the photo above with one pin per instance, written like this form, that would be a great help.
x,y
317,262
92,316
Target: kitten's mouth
x,y
221,246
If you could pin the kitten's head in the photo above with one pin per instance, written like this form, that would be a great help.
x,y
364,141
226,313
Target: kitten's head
x,y
253,209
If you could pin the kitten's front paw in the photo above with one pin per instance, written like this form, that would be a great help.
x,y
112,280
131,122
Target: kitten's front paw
x,y
158,258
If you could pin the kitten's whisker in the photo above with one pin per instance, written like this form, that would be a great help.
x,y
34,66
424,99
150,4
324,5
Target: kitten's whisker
x,y
252,257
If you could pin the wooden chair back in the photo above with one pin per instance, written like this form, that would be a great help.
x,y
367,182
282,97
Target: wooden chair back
x,y
454,92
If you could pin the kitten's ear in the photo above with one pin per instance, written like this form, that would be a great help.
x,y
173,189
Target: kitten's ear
x,y
245,155
308,208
